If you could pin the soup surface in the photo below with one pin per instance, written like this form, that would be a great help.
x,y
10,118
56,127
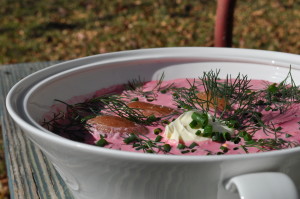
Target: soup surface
x,y
203,116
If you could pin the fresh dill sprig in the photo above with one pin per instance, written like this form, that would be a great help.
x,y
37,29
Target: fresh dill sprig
x,y
269,144
64,124
72,122
280,96
234,93
136,86
243,105
163,89
84,110
117,106
50,124
186,98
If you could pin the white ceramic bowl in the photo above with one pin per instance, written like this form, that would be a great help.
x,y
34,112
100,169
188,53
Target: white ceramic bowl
x,y
94,172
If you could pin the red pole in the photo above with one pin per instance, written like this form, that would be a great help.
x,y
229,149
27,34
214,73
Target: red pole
x,y
224,23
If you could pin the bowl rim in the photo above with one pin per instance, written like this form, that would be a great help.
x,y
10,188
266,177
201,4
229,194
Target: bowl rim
x,y
65,67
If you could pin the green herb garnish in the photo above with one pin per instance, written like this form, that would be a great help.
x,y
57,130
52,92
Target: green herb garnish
x,y
157,131
181,146
102,142
142,142
240,108
194,144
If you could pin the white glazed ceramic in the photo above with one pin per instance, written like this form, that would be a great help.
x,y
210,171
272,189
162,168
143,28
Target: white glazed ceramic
x,y
94,172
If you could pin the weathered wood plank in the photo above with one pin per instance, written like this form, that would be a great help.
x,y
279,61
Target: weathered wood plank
x,y
30,174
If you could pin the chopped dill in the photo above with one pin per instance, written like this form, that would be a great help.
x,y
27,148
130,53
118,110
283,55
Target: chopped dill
x,y
142,142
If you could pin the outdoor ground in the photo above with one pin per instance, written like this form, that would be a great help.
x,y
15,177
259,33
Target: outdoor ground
x,y
32,31
61,30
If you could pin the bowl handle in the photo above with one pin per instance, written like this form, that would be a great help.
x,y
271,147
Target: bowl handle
x,y
265,185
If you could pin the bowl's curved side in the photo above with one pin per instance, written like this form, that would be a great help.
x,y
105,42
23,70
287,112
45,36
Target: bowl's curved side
x,y
105,175
91,171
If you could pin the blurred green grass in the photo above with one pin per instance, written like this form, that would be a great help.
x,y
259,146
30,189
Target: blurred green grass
x,y
60,30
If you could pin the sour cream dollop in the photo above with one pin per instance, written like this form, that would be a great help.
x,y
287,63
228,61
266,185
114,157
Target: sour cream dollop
x,y
181,131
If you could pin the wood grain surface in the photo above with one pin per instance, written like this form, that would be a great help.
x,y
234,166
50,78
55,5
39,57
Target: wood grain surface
x,y
30,174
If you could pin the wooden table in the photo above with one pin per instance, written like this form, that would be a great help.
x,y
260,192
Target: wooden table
x,y
30,174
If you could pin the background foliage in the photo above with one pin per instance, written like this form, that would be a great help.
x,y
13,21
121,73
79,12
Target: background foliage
x,y
33,30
